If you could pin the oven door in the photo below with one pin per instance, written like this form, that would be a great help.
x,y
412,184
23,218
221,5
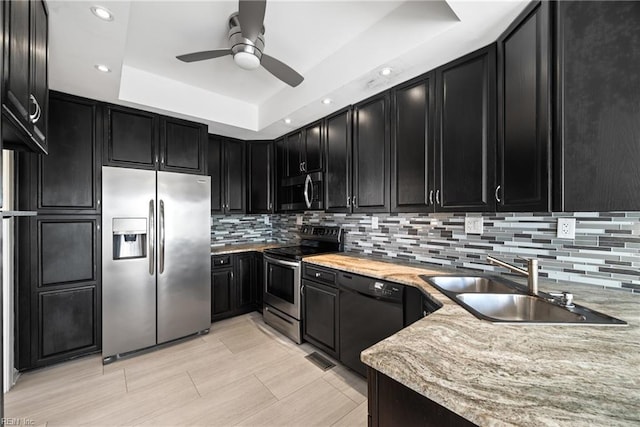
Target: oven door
x,y
282,285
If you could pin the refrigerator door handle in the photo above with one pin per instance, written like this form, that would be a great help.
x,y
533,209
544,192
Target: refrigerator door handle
x,y
161,243
152,234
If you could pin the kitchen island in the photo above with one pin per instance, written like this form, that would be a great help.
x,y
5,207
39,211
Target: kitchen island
x,y
497,374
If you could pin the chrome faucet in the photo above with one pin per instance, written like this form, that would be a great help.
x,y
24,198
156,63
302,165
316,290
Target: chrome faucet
x,y
531,272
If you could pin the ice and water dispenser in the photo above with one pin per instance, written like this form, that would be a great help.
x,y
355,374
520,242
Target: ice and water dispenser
x,y
129,238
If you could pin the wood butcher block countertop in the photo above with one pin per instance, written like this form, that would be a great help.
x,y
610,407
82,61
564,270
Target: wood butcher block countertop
x,y
497,374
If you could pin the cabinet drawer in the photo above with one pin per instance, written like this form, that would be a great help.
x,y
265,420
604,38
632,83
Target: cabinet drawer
x,y
220,260
320,275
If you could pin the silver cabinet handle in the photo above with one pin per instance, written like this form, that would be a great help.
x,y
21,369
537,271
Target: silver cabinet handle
x,y
152,236
308,183
318,274
300,166
355,203
36,115
304,166
431,197
161,225
232,275
438,196
348,201
497,194
302,290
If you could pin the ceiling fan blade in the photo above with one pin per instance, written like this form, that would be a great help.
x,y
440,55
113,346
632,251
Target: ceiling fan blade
x,y
251,17
205,54
281,70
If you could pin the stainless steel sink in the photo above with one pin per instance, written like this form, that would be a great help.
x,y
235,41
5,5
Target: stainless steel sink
x,y
470,284
502,301
518,308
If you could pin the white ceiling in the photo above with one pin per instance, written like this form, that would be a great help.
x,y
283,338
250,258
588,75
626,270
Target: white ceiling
x,y
338,46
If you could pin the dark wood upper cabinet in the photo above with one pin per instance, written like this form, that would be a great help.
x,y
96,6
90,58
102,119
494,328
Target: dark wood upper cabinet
x,y
227,169
524,108
337,145
68,179
412,145
142,140
182,146
235,176
260,179
312,160
25,97
371,152
597,121
293,145
465,136
131,138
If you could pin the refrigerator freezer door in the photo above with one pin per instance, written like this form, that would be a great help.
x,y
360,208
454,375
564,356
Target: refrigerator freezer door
x,y
184,255
128,278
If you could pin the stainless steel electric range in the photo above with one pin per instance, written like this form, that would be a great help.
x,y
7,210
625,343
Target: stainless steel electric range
x,y
283,276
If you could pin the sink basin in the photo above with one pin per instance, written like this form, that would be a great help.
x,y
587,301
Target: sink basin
x,y
459,284
518,308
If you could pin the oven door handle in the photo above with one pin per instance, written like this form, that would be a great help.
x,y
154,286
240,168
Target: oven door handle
x,y
282,262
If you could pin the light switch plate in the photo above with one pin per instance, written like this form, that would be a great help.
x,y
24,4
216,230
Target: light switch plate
x,y
298,219
473,225
374,222
566,228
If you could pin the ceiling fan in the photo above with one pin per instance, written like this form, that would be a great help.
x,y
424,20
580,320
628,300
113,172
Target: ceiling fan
x,y
246,38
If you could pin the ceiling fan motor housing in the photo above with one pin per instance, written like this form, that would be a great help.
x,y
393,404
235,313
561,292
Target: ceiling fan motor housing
x,y
246,53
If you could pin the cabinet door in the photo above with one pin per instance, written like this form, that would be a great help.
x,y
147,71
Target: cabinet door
x,y
16,68
338,162
598,122
216,171
412,146
260,179
465,146
321,316
281,173
222,295
244,281
293,153
131,138
371,155
523,113
182,146
68,179
59,289
312,161
39,83
235,183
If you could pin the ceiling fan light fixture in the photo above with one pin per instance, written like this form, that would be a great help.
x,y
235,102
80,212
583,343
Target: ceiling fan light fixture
x,y
102,13
247,61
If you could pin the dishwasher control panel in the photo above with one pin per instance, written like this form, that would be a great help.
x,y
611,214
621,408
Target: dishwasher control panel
x,y
384,289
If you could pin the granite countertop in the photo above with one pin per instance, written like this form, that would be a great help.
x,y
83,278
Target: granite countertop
x,y
497,374
246,247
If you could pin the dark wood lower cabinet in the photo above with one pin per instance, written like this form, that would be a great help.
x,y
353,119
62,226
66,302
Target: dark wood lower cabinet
x,y
235,284
320,313
393,404
58,289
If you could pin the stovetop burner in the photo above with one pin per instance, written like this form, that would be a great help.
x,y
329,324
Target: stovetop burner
x,y
314,240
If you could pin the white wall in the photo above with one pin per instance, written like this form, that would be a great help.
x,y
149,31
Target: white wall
x,y
7,272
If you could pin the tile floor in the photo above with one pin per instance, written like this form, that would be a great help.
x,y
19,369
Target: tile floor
x,y
241,373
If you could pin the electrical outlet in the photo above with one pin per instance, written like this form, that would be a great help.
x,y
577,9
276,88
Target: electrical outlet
x,y
473,225
374,222
298,219
566,228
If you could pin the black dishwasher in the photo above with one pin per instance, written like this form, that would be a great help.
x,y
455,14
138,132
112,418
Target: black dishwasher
x,y
370,311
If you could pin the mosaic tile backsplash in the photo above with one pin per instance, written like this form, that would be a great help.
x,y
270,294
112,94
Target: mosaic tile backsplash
x,y
240,229
605,251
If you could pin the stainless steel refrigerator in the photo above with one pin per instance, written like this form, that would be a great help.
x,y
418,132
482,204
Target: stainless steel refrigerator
x,y
156,263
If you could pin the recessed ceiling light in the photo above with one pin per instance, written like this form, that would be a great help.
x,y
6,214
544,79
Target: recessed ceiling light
x,y
327,101
287,121
103,68
102,13
385,71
